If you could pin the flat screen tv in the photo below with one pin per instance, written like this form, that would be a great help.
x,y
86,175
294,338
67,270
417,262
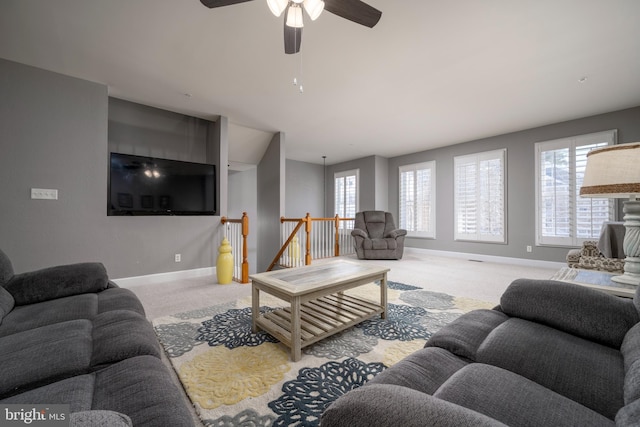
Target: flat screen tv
x,y
151,186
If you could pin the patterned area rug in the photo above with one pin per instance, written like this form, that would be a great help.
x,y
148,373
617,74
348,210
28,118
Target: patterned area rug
x,y
237,378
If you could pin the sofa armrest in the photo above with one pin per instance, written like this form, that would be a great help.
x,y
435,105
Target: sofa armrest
x,y
396,233
57,282
99,418
356,232
386,405
571,308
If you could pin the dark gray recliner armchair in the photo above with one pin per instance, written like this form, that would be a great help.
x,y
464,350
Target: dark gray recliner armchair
x,y
376,236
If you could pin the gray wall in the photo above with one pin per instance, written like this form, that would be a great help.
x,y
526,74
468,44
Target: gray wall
x,y
304,189
381,183
243,197
53,132
520,183
374,183
367,184
271,192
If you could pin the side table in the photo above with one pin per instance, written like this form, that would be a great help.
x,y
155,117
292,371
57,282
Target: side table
x,y
600,280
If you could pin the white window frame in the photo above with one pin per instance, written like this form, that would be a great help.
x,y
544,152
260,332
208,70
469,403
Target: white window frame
x,y
430,199
476,160
570,143
344,175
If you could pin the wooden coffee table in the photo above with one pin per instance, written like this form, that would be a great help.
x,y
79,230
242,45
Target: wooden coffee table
x,y
318,307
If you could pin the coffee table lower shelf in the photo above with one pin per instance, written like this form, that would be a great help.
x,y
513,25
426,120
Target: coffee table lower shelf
x,y
319,318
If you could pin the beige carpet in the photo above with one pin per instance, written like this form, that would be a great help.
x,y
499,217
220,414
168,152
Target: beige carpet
x,y
484,281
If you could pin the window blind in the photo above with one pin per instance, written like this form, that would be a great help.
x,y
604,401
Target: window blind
x,y
417,199
563,218
346,193
479,191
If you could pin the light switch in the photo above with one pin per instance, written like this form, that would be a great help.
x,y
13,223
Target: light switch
x,y
44,193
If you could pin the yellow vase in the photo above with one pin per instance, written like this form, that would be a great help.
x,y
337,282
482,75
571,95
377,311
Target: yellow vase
x,y
294,248
224,266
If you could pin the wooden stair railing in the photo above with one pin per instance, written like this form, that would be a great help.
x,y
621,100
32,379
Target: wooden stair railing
x,y
330,237
237,232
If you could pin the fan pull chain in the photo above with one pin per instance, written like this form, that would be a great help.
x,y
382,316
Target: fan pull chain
x,y
301,88
295,79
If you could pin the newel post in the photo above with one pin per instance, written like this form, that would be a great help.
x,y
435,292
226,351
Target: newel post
x,y
307,229
337,244
245,256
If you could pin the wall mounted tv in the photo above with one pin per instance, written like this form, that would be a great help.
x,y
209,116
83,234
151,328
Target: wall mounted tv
x,y
152,186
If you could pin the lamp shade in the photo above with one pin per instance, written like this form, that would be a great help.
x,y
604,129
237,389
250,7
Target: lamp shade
x,y
314,8
612,172
277,6
294,16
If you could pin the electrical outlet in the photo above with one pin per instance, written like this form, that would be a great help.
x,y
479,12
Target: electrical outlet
x,y
44,193
178,257
529,249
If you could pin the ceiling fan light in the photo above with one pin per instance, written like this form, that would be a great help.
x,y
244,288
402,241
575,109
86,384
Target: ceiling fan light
x,y
314,8
294,17
277,6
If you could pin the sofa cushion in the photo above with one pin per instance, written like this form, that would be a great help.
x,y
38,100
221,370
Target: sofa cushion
x,y
99,419
140,388
374,223
85,306
629,415
6,303
57,282
630,347
572,308
42,355
388,405
630,350
424,370
632,383
589,373
6,269
122,334
378,244
77,392
75,347
119,299
514,400
26,317
464,335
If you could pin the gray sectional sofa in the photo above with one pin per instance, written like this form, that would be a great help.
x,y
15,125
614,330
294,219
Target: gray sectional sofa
x,y
551,354
70,336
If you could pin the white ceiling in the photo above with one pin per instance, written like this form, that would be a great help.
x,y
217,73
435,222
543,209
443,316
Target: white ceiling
x,y
431,73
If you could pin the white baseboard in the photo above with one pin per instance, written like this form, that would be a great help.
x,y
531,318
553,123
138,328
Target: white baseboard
x,y
491,258
129,282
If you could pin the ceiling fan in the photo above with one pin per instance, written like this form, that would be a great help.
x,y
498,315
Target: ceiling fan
x,y
353,10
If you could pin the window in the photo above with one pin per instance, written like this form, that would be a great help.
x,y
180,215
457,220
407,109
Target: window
x,y
418,199
563,218
479,185
346,193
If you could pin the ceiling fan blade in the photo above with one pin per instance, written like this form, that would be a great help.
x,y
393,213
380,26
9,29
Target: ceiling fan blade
x,y
292,39
354,10
219,3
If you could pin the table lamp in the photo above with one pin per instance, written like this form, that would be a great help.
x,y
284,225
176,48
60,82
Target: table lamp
x,y
614,172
